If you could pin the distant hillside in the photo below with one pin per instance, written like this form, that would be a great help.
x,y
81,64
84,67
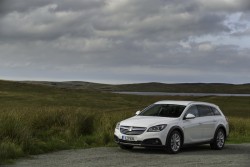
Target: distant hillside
x,y
152,87
71,84
186,88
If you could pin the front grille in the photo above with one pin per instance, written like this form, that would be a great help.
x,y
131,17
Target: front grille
x,y
131,130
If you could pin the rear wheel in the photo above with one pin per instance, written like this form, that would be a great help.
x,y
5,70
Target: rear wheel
x,y
126,147
219,140
173,143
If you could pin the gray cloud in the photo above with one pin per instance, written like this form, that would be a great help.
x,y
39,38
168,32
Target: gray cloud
x,y
125,40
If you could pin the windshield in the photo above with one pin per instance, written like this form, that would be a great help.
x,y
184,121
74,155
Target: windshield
x,y
163,110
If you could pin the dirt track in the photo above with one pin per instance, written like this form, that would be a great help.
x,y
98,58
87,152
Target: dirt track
x,y
231,155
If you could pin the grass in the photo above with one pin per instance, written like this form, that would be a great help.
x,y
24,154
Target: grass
x,y
36,119
239,130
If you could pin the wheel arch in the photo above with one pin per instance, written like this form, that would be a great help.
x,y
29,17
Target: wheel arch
x,y
177,128
220,126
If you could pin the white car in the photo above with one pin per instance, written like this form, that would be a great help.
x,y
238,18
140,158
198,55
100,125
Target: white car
x,y
172,124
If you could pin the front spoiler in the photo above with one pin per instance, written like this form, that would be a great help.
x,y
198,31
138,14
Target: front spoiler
x,y
144,143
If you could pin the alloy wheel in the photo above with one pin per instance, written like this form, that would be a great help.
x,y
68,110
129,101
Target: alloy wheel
x,y
220,139
175,142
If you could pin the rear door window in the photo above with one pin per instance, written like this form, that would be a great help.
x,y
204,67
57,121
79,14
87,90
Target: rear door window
x,y
205,111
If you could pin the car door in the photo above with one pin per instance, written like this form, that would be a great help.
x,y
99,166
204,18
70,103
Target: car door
x,y
191,127
208,122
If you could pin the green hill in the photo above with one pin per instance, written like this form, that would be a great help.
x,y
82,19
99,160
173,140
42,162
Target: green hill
x,y
154,87
187,88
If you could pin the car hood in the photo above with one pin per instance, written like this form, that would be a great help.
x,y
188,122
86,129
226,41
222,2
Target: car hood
x,y
146,121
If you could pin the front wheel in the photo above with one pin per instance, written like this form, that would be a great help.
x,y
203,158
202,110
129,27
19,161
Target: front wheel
x,y
173,143
219,140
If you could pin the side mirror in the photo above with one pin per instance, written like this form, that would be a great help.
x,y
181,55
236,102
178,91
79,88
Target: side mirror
x,y
138,112
189,116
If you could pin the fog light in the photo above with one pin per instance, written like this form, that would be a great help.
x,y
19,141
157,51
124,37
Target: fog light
x,y
153,142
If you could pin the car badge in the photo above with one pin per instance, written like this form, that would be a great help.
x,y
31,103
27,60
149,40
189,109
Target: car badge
x,y
130,129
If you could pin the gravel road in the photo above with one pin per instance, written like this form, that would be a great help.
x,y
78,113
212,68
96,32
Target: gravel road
x,y
231,155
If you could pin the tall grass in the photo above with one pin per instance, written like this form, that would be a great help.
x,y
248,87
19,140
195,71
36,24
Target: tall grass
x,y
239,130
49,129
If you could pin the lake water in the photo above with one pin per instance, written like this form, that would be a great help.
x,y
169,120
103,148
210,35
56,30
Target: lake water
x,y
181,94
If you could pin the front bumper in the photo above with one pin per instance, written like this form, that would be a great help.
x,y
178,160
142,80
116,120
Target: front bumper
x,y
146,139
154,142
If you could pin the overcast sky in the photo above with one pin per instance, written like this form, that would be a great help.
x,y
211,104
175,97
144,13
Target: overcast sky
x,y
125,41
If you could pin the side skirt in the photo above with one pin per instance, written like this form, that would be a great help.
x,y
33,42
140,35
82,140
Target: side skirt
x,y
197,143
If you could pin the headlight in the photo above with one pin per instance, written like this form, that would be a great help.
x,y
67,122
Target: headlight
x,y
157,128
117,125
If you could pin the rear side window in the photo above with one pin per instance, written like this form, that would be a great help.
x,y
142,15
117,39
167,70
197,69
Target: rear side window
x,y
205,111
216,112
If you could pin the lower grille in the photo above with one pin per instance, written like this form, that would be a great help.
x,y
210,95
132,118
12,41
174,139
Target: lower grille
x,y
130,142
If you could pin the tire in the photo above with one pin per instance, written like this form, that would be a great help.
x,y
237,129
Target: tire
x,y
174,142
219,140
126,147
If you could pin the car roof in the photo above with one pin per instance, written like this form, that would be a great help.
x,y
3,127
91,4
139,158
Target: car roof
x,y
184,103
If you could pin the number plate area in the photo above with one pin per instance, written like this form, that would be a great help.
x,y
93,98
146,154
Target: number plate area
x,y
128,138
